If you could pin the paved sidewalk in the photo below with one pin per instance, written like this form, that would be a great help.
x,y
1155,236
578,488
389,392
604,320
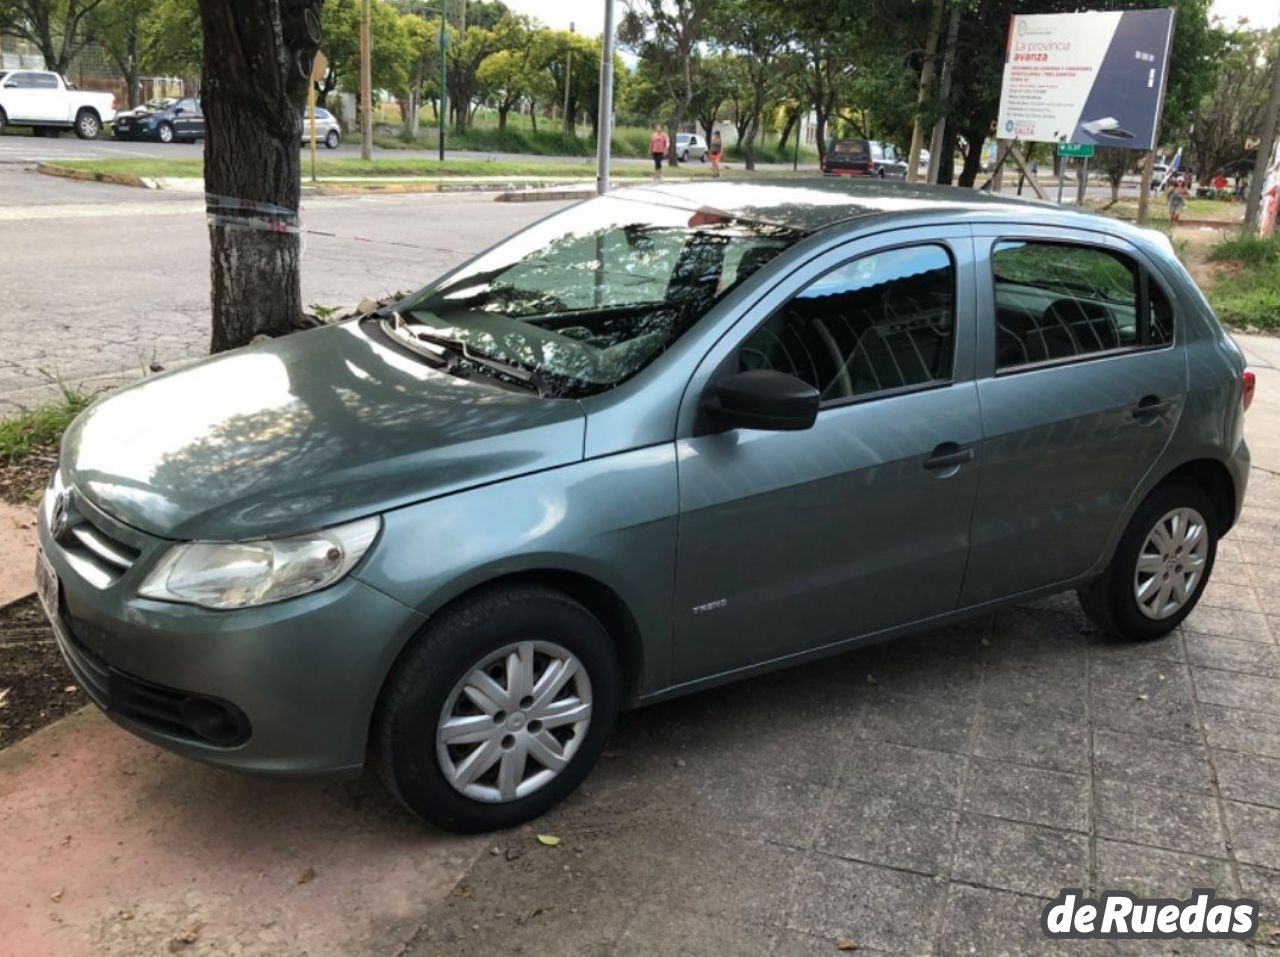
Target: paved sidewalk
x,y
925,796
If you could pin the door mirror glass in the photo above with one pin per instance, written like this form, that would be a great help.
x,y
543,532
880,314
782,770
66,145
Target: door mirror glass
x,y
764,399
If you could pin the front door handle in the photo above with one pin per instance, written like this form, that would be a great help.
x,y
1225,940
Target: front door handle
x,y
1150,406
948,455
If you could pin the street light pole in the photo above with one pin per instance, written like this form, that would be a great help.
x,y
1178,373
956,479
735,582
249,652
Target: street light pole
x,y
604,132
366,85
444,48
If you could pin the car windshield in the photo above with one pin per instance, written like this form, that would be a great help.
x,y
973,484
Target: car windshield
x,y
160,103
854,147
585,299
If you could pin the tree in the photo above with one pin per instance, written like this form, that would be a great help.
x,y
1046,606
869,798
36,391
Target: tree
x,y
718,86
257,63
54,26
516,72
118,27
172,38
390,51
757,32
1233,109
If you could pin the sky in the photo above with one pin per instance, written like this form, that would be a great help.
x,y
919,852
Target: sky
x,y
588,15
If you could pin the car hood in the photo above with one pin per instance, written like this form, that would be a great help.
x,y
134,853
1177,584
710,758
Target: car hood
x,y
308,430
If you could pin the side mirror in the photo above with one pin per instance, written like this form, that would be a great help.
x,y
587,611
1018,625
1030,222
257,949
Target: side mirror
x,y
764,399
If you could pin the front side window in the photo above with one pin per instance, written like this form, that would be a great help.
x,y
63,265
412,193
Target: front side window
x,y
1059,301
879,323
43,81
585,299
19,81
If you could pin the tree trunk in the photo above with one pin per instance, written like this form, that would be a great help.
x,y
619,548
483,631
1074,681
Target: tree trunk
x,y
792,118
749,146
975,136
415,97
503,110
533,116
257,61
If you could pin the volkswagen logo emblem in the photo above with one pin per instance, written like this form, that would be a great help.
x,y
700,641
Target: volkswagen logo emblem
x,y
60,522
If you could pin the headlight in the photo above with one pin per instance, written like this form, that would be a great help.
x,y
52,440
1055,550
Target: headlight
x,y
240,574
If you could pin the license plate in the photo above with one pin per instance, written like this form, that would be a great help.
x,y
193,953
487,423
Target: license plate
x,y
47,585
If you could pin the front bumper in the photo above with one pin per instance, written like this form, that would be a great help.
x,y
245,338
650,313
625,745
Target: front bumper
x,y
303,675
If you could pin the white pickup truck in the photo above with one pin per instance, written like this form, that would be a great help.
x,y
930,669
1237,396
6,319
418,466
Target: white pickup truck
x,y
46,102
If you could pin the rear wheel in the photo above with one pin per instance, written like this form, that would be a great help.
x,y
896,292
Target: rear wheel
x,y
498,710
88,126
4,121
1160,567
331,139
165,132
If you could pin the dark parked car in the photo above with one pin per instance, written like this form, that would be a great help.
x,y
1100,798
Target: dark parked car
x,y
859,157
167,120
664,439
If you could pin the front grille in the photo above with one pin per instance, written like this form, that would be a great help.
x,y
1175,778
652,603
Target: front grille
x,y
88,539
169,711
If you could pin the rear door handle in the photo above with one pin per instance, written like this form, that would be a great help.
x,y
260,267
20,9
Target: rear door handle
x,y
948,455
1150,406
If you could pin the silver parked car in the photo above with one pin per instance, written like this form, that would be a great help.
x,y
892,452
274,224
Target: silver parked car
x,y
691,146
328,129
661,440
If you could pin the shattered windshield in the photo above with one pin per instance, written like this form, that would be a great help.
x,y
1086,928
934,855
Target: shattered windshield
x,y
585,299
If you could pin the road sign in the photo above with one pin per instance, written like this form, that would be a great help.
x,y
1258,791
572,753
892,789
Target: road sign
x,y
1075,149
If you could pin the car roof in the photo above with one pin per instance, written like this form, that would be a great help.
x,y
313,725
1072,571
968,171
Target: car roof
x,y
810,205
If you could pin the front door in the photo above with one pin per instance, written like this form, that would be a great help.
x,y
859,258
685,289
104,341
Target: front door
x,y
789,541
1081,388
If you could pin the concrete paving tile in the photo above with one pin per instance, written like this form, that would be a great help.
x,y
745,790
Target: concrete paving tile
x,y
1228,654
883,830
1263,885
1141,759
1171,819
759,806
682,933
1255,833
996,923
876,906
17,551
1035,689
1137,676
1232,689
1019,857
1168,713
1159,872
1166,648
913,720
1249,778
921,775
1235,597
1057,742
1231,573
1250,732
1242,625
1032,795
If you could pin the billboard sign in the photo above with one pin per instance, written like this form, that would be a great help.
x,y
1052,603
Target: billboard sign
x,y
1090,78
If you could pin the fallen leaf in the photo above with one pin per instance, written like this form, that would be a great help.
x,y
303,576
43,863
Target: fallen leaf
x,y
986,642
307,876
514,853
70,688
66,841
187,936
871,680
1142,697
4,697
125,915
464,890
550,840
844,944
56,895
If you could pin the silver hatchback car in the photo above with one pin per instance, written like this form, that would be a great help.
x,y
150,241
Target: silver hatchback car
x,y
328,129
660,440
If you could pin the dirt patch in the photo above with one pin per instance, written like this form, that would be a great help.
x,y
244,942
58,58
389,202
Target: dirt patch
x,y
22,480
36,688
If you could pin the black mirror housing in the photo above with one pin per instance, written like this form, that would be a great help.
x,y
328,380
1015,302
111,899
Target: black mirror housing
x,y
764,399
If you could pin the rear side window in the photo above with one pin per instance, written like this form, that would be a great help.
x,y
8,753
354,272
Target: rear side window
x,y
880,323
43,81
1057,301
854,147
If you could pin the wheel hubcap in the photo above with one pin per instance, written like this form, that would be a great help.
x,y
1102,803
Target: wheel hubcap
x,y
1171,563
514,721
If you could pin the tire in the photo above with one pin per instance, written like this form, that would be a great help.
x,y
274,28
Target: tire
x,y
1112,602
165,132
683,157
4,120
331,139
703,158
424,688
88,125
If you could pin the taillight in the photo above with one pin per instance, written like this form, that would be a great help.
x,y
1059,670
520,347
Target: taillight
x,y
1248,382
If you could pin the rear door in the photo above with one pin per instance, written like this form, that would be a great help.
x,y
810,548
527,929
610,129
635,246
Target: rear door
x,y
789,541
1081,382
49,100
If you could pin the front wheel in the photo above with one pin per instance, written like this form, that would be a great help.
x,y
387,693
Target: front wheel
x,y
88,126
1160,567
165,132
331,139
4,121
498,710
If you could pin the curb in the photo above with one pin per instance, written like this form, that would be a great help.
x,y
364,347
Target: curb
x,y
93,176
535,195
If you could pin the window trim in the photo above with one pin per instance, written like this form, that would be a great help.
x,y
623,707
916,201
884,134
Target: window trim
x,y
1143,304
734,358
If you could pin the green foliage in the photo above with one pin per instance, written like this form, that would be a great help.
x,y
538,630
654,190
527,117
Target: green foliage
x,y
1249,250
1250,296
172,39
42,426
391,52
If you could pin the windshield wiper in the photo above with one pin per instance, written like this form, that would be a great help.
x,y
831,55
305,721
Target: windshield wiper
x,y
448,351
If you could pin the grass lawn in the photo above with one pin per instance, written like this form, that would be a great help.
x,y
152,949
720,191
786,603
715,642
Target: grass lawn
x,y
1245,292
1212,210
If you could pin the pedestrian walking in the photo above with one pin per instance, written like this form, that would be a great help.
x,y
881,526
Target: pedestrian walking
x,y
659,143
1178,194
717,147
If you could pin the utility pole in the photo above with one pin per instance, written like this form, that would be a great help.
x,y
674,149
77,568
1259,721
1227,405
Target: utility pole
x,y
1266,144
442,112
605,110
366,91
926,81
568,76
944,97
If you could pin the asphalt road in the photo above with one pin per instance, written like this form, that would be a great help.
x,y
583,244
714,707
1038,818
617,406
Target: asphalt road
x,y
99,281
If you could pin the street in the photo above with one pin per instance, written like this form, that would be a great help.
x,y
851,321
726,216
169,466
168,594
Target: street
x,y
101,281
